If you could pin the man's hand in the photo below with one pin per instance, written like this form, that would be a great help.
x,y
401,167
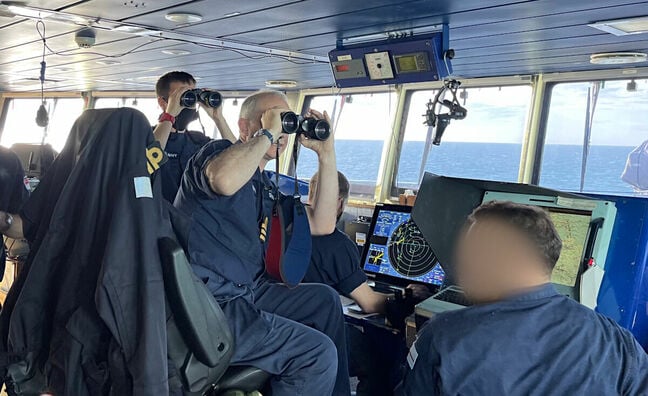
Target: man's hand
x,y
215,113
271,120
319,146
173,106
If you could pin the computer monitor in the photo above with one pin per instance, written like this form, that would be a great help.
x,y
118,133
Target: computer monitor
x,y
573,227
396,251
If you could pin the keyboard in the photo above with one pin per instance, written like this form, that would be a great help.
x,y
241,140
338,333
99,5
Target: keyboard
x,y
453,296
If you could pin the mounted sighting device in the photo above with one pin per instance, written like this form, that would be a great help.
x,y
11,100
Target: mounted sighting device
x,y
435,118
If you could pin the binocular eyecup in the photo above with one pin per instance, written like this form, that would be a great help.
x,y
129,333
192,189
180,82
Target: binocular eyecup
x,y
310,127
208,97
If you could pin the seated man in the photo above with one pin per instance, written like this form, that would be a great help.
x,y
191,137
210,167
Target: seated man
x,y
522,337
171,131
13,193
335,260
230,201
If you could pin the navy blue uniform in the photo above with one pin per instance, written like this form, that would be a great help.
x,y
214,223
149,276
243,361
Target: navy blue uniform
x,y
539,343
12,190
335,262
179,149
226,249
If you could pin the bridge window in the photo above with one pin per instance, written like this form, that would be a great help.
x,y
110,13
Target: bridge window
x,y
20,123
363,123
487,144
151,109
591,129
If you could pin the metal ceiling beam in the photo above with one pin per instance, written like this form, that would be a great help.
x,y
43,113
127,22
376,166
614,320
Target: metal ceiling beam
x,y
8,8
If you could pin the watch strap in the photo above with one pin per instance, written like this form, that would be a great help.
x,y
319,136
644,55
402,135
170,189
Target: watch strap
x,y
266,133
166,117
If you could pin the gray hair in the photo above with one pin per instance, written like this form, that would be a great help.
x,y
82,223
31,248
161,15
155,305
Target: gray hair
x,y
249,106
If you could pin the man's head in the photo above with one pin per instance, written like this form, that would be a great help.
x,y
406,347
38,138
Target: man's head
x,y
250,116
169,83
504,248
343,195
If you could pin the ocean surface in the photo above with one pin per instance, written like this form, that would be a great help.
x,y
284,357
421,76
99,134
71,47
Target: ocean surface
x,y
359,160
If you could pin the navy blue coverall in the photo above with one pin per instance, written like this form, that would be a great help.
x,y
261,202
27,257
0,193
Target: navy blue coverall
x,y
280,330
538,343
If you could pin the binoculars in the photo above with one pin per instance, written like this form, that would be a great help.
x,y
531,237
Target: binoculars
x,y
208,97
310,127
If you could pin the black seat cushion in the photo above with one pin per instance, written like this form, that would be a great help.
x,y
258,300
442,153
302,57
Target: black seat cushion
x,y
241,378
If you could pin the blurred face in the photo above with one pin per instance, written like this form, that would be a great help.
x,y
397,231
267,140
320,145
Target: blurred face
x,y
248,127
494,260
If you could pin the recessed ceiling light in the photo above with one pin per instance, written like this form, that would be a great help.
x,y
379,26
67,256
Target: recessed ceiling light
x,y
232,14
618,58
623,27
108,62
174,51
183,17
281,84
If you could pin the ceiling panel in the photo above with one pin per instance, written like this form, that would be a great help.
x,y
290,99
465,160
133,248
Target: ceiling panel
x,y
120,9
214,12
491,37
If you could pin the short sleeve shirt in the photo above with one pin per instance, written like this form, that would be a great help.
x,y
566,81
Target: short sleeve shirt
x,y
225,234
335,262
179,149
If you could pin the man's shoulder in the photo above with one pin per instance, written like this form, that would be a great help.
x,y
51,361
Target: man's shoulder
x,y
198,137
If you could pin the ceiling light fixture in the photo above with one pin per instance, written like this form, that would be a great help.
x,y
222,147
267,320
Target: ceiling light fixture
x,y
623,27
618,58
183,17
281,84
174,51
108,62
232,14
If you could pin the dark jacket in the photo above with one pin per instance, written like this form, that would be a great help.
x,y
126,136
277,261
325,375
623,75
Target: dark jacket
x,y
13,191
87,314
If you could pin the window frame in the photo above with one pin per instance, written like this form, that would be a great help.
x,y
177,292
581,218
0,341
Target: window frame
x,y
543,117
359,193
394,189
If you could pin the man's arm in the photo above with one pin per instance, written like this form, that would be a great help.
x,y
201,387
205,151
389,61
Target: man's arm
x,y
229,171
369,300
216,114
13,230
163,129
423,362
322,213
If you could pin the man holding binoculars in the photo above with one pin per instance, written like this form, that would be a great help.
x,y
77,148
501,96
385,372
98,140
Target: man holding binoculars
x,y
179,100
295,334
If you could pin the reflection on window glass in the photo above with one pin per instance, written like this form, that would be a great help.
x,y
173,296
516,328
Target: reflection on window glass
x,y
151,109
485,145
363,123
20,125
618,126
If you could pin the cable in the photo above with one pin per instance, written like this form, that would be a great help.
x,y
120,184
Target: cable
x,y
40,23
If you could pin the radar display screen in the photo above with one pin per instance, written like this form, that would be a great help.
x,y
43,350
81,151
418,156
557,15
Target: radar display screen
x,y
397,248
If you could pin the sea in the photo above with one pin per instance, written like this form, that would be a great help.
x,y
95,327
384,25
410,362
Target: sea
x,y
360,160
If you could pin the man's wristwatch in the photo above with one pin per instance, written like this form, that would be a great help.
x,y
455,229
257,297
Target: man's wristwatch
x,y
266,133
166,117
8,221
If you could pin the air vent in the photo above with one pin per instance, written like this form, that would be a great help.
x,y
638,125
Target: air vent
x,y
618,58
281,84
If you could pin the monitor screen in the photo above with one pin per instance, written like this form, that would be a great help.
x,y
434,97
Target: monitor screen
x,y
572,226
396,248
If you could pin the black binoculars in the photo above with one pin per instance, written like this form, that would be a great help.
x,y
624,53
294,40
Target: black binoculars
x,y
207,97
310,127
